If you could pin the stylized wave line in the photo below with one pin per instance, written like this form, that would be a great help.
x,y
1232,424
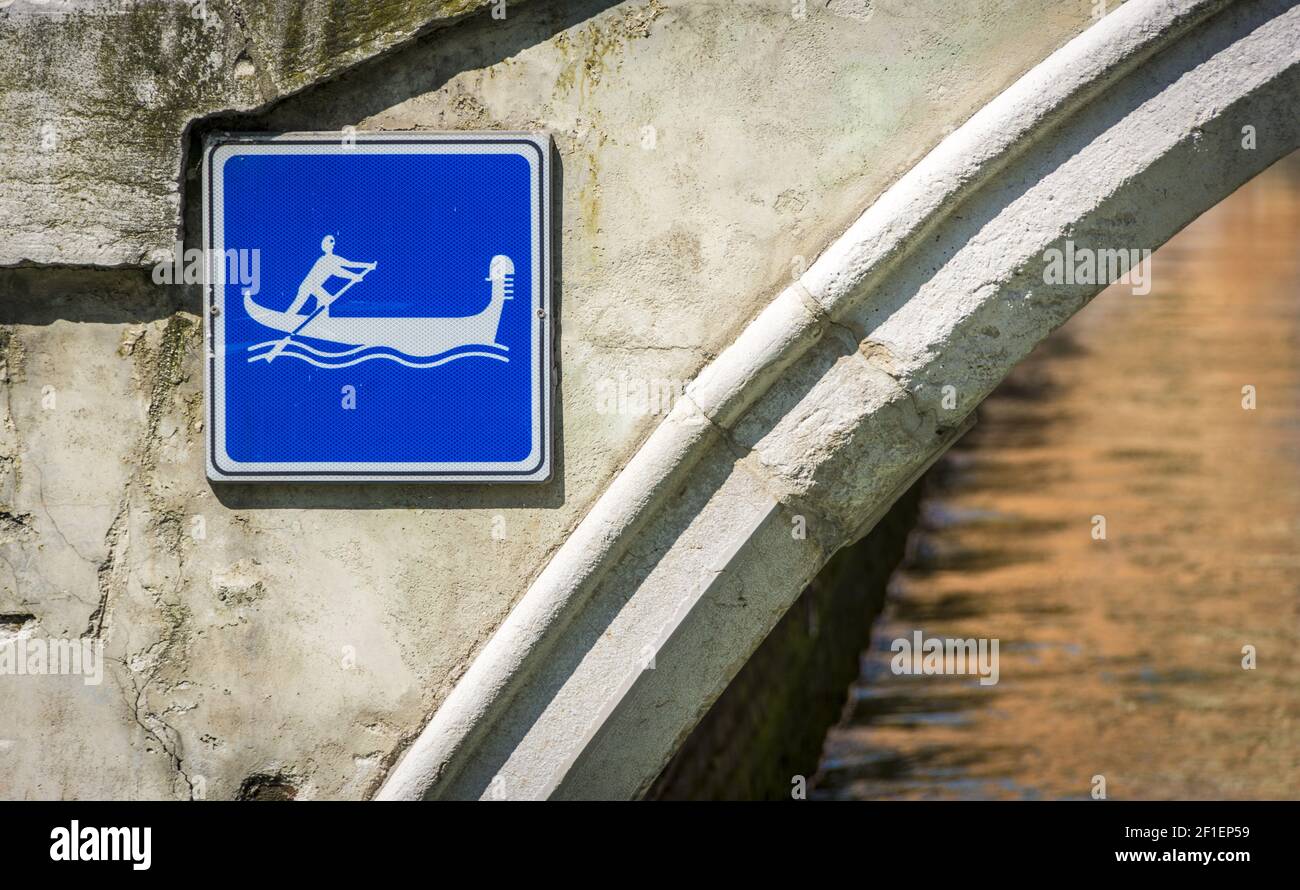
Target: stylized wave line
x,y
311,349
401,359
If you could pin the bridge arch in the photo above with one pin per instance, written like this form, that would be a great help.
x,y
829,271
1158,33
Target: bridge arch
x,y
829,404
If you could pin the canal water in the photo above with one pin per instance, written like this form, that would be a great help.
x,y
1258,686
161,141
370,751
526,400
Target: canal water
x,y
1121,657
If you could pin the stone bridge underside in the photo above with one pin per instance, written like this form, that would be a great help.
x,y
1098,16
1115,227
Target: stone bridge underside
x,y
572,659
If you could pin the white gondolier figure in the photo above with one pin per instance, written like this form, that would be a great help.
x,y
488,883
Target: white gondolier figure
x,y
329,265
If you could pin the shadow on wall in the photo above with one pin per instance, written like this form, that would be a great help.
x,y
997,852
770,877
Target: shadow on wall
x,y
42,295
418,68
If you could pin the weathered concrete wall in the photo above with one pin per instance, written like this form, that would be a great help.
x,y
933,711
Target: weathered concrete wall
x,y
307,633
97,96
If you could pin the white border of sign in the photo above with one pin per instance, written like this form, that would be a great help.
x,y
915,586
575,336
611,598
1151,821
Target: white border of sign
x,y
534,147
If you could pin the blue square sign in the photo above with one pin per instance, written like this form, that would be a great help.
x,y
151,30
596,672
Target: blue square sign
x,y
378,307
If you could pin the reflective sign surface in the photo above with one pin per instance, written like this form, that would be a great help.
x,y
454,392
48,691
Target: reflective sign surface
x,y
378,307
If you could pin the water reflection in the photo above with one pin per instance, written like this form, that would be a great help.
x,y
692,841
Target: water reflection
x,y
1120,657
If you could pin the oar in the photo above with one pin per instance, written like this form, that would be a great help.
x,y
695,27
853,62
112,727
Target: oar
x,y
279,347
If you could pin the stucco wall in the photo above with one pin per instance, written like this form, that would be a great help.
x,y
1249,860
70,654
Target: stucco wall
x,y
295,637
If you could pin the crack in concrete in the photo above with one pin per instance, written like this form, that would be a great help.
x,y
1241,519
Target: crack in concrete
x,y
136,705
165,375
40,496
